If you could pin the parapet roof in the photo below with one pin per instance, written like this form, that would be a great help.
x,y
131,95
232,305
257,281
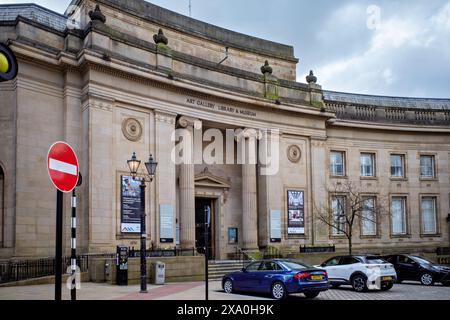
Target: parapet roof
x,y
34,12
174,20
386,101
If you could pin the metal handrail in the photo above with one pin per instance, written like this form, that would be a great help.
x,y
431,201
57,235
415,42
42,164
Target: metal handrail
x,y
243,257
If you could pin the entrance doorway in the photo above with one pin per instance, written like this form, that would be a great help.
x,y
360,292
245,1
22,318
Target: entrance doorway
x,y
200,204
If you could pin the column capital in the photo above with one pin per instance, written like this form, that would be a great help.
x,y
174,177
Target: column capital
x,y
164,116
186,122
247,133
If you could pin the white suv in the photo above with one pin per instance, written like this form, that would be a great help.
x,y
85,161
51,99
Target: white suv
x,y
361,272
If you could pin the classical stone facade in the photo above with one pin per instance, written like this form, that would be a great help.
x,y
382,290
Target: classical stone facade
x,y
122,77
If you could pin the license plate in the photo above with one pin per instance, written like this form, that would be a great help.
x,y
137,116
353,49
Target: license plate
x,y
387,278
316,277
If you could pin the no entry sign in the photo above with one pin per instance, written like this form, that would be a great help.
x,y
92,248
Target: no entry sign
x,y
62,165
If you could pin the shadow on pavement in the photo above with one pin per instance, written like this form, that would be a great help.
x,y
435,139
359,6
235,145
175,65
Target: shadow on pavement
x,y
291,297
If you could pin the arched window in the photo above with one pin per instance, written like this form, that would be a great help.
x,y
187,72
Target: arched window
x,y
2,206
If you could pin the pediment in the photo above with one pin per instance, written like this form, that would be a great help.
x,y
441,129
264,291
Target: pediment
x,y
207,179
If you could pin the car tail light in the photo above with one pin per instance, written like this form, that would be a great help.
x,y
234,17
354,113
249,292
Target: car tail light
x,y
302,275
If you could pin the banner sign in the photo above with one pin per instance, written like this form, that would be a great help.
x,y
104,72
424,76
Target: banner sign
x,y
275,226
296,212
166,223
130,205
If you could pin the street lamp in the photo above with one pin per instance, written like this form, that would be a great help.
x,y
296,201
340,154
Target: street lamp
x,y
151,165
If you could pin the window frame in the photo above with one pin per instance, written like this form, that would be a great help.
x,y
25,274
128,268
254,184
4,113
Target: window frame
x,y
403,157
405,197
373,157
377,219
435,197
344,163
434,166
332,233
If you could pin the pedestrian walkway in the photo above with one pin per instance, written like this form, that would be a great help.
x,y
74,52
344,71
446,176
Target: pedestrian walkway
x,y
196,291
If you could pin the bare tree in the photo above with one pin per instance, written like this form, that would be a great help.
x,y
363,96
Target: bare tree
x,y
349,206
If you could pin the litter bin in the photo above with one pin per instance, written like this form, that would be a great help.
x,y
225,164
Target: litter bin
x,y
159,272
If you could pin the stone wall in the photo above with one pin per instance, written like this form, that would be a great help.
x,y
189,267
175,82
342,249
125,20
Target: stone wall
x,y
178,269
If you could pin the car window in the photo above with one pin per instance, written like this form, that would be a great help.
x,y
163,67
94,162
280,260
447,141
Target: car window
x,y
333,261
269,266
405,259
349,260
294,265
253,267
422,260
390,259
373,260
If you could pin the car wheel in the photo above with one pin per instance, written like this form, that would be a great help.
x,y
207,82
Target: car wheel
x,y
278,291
387,286
311,294
427,279
359,283
335,286
228,286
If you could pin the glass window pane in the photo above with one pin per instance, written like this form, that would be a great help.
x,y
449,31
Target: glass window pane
x,y
337,163
427,166
429,215
338,210
397,166
369,224
398,213
367,165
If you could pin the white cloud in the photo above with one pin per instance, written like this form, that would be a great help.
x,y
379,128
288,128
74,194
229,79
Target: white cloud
x,y
380,67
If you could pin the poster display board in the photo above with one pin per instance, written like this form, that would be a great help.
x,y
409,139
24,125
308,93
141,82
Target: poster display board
x,y
275,226
296,212
166,223
130,204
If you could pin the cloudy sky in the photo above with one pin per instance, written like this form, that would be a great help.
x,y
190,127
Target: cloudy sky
x,y
387,47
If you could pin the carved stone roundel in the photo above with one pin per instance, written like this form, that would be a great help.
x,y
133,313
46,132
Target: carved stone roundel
x,y
132,129
294,153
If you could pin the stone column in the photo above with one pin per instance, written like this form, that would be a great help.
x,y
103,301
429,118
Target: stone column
x,y
249,196
186,186
165,184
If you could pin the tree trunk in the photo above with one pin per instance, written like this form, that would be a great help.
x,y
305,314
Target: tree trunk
x,y
350,244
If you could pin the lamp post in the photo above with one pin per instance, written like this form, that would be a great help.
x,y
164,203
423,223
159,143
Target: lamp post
x,y
151,165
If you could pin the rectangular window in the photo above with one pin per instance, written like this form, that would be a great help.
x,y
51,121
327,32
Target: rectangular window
x,y
338,212
397,166
369,217
427,167
398,215
337,163
367,161
428,207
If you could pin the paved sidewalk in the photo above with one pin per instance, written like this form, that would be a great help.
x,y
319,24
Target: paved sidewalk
x,y
196,291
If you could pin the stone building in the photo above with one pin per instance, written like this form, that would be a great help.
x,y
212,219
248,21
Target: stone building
x,y
122,77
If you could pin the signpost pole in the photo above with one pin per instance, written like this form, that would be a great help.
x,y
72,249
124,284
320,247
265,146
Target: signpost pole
x,y
206,251
58,245
73,245
63,170
143,252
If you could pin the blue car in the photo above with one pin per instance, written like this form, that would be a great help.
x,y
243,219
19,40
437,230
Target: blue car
x,y
279,278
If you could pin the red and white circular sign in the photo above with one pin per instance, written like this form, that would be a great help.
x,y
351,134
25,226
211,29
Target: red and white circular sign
x,y
62,166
